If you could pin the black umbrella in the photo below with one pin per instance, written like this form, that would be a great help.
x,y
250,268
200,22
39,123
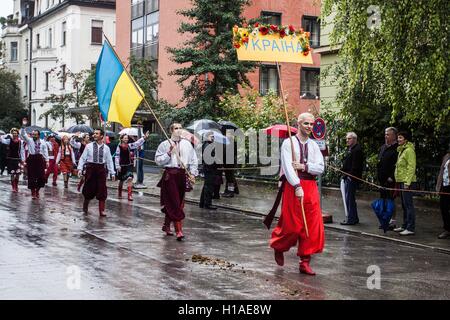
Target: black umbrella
x,y
228,125
204,124
80,128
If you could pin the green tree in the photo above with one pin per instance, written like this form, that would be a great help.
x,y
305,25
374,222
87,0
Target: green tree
x,y
12,108
61,103
209,61
393,72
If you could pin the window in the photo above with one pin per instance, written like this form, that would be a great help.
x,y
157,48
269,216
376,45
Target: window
x,y
50,38
137,8
153,27
309,83
63,33
34,79
312,25
38,41
63,76
27,48
151,6
46,81
96,32
26,86
271,17
13,57
137,32
268,79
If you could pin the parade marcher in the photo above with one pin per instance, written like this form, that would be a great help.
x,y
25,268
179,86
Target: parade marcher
x,y
353,164
53,149
405,176
210,172
299,181
37,161
125,164
387,158
14,157
174,181
98,160
443,185
79,147
3,157
66,160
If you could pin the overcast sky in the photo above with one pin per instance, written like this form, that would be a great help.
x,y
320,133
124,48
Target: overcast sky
x,y
6,7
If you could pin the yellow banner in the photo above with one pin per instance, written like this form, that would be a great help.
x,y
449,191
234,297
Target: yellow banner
x,y
273,48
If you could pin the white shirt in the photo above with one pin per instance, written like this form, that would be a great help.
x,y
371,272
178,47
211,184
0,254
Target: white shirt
x,y
88,157
68,150
315,160
186,152
21,149
131,146
32,145
445,178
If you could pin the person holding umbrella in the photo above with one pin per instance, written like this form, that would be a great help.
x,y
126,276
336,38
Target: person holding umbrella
x,y
301,217
210,171
124,162
15,156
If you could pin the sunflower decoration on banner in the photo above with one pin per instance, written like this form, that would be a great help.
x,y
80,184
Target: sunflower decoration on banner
x,y
241,34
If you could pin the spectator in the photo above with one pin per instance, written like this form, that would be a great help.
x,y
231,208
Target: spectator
x,y
353,165
443,185
405,176
210,171
387,158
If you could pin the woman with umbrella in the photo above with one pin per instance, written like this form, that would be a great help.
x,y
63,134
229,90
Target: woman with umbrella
x,y
14,157
124,163
66,159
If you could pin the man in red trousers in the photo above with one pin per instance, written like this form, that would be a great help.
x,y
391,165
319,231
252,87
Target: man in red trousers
x,y
299,181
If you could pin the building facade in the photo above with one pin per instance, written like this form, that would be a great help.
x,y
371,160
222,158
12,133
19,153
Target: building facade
x,y
57,38
145,28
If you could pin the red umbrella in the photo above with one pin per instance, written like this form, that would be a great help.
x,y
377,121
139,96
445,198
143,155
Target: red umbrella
x,y
279,130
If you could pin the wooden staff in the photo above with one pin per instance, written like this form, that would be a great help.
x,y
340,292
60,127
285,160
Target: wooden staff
x,y
292,144
191,178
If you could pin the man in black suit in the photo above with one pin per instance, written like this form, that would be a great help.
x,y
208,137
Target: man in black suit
x,y
353,165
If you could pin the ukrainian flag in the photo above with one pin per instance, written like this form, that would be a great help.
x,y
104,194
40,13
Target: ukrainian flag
x,y
117,93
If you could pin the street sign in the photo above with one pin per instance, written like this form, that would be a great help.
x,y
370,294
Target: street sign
x,y
319,129
322,146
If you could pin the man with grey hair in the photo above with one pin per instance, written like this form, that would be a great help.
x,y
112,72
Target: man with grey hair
x,y
387,158
352,167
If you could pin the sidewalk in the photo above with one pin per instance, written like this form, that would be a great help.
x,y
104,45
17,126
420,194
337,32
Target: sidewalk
x,y
257,198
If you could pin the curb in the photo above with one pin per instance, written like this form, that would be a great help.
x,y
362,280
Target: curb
x,y
335,228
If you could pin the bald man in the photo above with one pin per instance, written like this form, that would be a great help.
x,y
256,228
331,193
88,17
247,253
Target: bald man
x,y
298,176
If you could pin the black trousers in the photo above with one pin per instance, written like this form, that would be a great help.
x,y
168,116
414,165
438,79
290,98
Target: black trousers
x,y
445,207
208,188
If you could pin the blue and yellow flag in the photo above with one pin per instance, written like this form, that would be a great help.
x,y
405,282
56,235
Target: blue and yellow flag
x,y
117,93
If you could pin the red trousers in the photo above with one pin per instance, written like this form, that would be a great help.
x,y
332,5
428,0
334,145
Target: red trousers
x,y
290,228
52,168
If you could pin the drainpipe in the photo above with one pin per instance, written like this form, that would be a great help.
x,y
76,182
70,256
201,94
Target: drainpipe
x,y
30,76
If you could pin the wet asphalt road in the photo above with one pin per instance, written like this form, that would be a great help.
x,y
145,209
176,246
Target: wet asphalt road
x,y
44,243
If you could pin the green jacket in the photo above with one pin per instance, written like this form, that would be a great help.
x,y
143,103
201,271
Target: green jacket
x,y
405,168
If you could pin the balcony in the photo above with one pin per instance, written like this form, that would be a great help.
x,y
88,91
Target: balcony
x,y
44,53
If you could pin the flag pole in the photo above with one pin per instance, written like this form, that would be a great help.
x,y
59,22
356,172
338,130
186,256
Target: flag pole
x,y
290,138
147,104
